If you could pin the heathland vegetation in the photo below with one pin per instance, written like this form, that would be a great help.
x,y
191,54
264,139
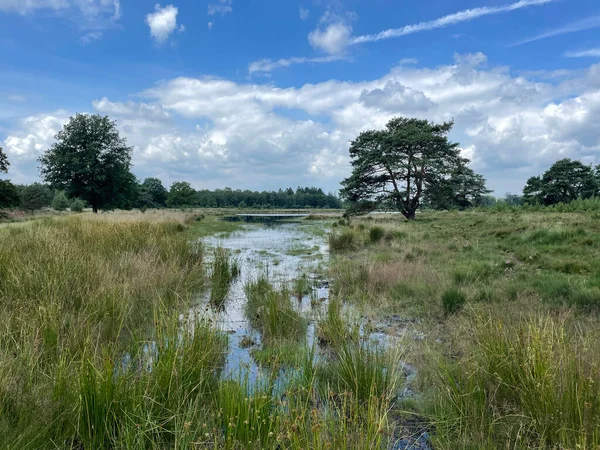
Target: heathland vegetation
x,y
486,315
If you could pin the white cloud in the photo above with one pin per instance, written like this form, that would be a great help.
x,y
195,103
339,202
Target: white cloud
x,y
581,25
451,19
334,33
163,22
88,14
268,65
220,7
254,135
589,53
333,39
304,13
90,37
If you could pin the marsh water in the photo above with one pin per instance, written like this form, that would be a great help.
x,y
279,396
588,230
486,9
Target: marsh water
x,y
285,252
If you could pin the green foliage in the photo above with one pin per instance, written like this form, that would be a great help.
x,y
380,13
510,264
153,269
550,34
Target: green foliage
x,y
181,194
9,195
153,194
90,160
453,300
60,202
77,205
565,181
395,166
36,196
462,189
4,164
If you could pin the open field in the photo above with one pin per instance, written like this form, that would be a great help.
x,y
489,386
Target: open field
x,y
499,312
103,343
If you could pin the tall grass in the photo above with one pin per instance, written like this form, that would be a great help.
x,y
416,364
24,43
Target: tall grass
x,y
77,294
224,270
533,384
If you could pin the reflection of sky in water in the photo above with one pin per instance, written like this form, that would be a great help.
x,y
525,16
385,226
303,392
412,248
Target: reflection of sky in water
x,y
261,249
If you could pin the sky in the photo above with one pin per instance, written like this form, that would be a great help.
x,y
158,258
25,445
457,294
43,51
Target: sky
x,y
269,94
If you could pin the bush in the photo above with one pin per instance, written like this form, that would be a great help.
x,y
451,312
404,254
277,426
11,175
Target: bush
x,y
376,233
453,300
60,202
36,196
77,205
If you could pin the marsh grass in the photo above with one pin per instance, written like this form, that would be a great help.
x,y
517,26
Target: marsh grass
x,y
532,384
224,270
333,329
270,311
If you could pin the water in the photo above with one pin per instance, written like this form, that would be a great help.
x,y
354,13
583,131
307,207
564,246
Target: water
x,y
283,251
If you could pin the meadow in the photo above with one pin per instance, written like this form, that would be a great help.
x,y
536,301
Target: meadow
x,y
101,347
499,310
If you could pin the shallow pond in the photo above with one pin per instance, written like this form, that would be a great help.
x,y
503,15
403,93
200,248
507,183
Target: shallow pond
x,y
285,252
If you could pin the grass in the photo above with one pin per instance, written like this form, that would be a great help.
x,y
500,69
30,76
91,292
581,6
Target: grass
x,y
504,309
224,270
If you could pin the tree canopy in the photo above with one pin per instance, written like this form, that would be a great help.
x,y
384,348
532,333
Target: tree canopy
x,y
3,161
565,181
394,167
90,160
463,188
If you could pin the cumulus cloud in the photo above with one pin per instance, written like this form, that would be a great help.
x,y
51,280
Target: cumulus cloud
x,y
163,22
258,135
332,39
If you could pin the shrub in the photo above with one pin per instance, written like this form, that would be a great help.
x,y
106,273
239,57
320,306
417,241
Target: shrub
x,y
453,300
77,205
376,233
60,202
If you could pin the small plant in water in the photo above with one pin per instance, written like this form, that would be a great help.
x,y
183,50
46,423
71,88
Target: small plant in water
x,y
222,275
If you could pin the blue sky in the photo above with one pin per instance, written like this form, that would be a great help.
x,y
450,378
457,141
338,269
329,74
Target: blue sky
x,y
268,94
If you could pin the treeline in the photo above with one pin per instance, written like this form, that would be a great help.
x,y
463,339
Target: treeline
x,y
181,194
152,194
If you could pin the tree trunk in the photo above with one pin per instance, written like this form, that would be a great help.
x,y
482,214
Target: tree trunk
x,y
95,209
410,214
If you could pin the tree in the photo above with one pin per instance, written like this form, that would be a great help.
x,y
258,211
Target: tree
x,y
462,189
36,196
564,182
156,192
3,161
393,167
9,195
60,202
91,161
182,194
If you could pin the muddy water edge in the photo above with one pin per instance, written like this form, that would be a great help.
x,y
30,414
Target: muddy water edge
x,y
293,256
